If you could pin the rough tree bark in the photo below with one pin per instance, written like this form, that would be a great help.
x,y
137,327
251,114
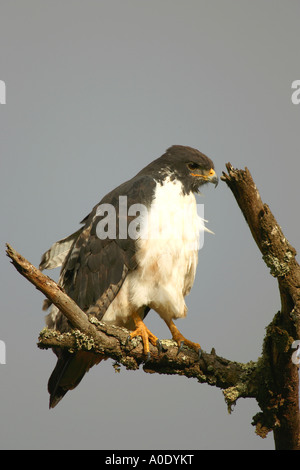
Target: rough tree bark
x,y
272,380
278,389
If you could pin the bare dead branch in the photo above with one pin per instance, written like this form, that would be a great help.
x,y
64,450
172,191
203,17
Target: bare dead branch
x,y
278,394
236,379
273,380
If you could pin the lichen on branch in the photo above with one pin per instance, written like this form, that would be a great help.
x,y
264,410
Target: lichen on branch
x,y
272,380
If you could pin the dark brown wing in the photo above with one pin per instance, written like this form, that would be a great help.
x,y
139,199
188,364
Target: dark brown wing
x,y
93,273
96,267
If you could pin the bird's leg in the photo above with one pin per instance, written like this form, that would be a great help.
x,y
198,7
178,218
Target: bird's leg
x,y
145,333
181,340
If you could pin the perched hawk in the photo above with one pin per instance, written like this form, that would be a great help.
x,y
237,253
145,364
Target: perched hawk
x,y
119,265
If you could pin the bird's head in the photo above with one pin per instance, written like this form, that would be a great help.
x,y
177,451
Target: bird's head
x,y
190,166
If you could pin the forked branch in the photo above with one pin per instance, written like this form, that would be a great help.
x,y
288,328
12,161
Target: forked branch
x,y
273,380
111,342
278,392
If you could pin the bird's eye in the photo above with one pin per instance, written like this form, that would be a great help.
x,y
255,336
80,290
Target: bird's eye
x,y
192,166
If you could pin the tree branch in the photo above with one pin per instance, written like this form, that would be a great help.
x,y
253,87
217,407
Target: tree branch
x,y
236,379
273,380
278,394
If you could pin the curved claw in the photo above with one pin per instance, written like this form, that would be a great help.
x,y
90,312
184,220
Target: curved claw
x,y
159,346
180,347
148,357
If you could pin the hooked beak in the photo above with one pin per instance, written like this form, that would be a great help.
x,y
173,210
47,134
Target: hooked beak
x,y
214,179
210,177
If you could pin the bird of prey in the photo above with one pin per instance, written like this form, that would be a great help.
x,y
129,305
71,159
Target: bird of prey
x,y
118,265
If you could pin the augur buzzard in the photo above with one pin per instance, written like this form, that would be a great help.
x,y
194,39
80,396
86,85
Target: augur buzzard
x,y
118,278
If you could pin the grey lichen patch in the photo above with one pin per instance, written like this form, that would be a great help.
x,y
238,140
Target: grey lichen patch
x,y
129,362
211,380
104,326
275,230
243,388
83,341
248,367
117,367
261,430
277,339
278,268
295,315
135,341
167,343
201,378
48,333
95,321
231,394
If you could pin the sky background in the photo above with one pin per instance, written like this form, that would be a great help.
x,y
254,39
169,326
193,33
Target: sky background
x,y
95,91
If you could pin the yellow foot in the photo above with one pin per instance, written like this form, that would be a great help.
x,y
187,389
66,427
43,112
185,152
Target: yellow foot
x,y
181,340
146,335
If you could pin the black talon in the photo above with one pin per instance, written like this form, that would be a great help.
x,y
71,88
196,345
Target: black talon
x,y
159,346
180,347
148,357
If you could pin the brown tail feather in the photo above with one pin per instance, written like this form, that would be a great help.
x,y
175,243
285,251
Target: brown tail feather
x,y
68,372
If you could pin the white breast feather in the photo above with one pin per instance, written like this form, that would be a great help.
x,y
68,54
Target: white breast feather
x,y
167,257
